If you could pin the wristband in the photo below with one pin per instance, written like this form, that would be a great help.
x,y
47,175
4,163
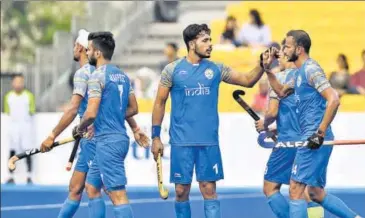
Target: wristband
x,y
156,131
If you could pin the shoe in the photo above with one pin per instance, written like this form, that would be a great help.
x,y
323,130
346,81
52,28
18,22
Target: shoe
x,y
29,181
10,181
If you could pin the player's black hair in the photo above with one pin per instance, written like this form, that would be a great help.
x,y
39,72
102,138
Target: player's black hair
x,y
173,45
301,38
192,31
103,41
283,42
363,52
18,75
345,62
256,17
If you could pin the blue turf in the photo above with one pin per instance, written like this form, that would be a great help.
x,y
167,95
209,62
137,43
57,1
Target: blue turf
x,y
236,203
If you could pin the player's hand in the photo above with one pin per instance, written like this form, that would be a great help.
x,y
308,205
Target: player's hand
x,y
141,138
268,56
316,140
260,126
90,132
47,144
157,147
76,133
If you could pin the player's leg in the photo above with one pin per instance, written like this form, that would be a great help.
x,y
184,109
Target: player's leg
x,y
14,147
181,172
316,191
299,176
110,157
26,142
94,184
278,171
72,202
209,170
314,209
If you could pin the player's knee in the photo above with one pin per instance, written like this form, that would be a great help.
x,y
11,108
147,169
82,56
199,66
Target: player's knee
x,y
182,192
296,190
208,190
316,194
92,192
118,197
270,188
75,191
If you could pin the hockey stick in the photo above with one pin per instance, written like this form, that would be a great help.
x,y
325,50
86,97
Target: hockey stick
x,y
236,95
73,154
164,192
297,144
33,151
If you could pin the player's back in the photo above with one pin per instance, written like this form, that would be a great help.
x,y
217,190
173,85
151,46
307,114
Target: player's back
x,y
310,81
81,78
115,86
287,119
194,98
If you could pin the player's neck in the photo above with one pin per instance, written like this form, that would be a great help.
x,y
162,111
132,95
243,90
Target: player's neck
x,y
193,58
83,60
301,59
101,62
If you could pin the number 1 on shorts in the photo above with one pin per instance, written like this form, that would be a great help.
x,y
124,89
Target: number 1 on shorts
x,y
215,167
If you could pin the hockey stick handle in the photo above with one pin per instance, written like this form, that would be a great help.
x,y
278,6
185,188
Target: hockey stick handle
x,y
298,144
73,154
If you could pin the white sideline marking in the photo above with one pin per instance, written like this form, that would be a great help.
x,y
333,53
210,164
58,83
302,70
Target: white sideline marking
x,y
133,201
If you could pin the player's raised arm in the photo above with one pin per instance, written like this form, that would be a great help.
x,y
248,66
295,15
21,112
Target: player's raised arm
x,y
317,79
95,89
159,109
242,79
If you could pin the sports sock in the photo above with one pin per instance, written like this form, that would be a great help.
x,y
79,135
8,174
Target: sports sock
x,y
279,205
337,207
298,208
123,211
69,208
97,208
182,209
212,208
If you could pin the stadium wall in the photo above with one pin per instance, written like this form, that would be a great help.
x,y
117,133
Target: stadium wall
x,y
243,160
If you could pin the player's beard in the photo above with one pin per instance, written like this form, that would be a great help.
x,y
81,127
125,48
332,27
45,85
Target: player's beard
x,y
92,61
76,59
292,58
200,55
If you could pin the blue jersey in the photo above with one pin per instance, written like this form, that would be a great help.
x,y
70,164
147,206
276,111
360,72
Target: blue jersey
x,y
112,85
310,82
194,92
81,78
287,119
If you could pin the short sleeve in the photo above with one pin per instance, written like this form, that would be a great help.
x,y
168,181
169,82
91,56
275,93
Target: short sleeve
x,y
316,77
80,82
166,75
226,72
96,84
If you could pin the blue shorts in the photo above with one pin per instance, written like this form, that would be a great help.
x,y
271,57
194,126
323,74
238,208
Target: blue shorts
x,y
310,166
86,155
108,165
207,161
279,165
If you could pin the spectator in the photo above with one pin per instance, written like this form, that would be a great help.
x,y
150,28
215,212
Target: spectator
x,y
261,98
230,32
19,104
358,79
340,80
170,53
255,33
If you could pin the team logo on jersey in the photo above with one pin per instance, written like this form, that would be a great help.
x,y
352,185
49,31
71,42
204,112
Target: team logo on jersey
x,y
208,73
299,81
